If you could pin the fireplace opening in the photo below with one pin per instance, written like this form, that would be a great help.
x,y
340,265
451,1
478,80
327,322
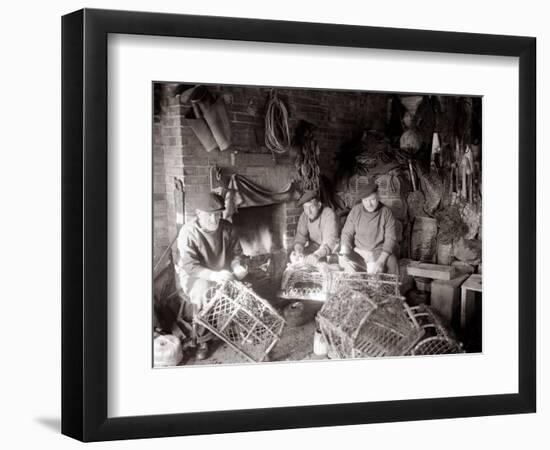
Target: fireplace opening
x,y
260,229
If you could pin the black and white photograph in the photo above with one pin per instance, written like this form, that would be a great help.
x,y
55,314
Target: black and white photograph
x,y
271,225
301,224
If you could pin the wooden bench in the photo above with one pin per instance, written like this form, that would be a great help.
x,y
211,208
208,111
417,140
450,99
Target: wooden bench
x,y
433,271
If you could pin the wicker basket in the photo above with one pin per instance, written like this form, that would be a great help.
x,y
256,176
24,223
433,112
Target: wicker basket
x,y
242,319
437,339
355,325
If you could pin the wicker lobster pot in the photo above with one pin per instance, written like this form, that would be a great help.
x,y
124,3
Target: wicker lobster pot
x,y
304,282
437,339
242,319
355,325
310,283
377,286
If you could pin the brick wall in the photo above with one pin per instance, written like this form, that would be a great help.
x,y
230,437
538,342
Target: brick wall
x,y
177,153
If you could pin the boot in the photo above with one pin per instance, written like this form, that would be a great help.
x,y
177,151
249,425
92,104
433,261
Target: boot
x,y
202,351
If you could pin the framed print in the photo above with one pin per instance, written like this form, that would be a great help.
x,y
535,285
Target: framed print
x,y
276,225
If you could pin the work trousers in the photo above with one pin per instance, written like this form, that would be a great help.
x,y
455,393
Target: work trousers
x,y
195,289
354,262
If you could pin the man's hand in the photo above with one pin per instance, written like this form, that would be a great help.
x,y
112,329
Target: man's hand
x,y
312,259
379,265
376,267
221,276
344,250
240,270
366,255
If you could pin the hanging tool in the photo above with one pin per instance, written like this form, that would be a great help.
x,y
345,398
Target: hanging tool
x,y
413,180
477,184
409,143
454,182
469,168
435,160
463,193
452,190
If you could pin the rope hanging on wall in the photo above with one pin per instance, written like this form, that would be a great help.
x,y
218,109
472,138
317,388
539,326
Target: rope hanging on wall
x,y
277,133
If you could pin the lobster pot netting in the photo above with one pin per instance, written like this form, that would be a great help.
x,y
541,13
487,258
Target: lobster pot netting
x,y
309,283
377,286
304,282
340,317
354,325
437,339
242,319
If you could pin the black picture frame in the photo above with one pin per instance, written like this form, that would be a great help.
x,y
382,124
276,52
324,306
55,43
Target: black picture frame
x,y
84,224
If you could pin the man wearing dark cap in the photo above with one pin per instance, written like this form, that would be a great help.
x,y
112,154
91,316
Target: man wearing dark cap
x,y
210,253
368,238
317,230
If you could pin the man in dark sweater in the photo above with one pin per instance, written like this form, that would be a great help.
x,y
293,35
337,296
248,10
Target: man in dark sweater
x,y
209,253
368,238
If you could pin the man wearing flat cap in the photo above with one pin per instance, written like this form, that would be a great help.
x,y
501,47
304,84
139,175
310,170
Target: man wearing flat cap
x,y
368,238
317,230
209,252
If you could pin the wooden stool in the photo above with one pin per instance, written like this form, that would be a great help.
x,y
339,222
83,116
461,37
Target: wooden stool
x,y
471,285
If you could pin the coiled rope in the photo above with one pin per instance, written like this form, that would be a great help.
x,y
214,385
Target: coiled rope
x,y
277,133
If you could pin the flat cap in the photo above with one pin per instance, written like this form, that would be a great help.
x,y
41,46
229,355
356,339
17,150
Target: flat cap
x,y
366,190
307,196
210,202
